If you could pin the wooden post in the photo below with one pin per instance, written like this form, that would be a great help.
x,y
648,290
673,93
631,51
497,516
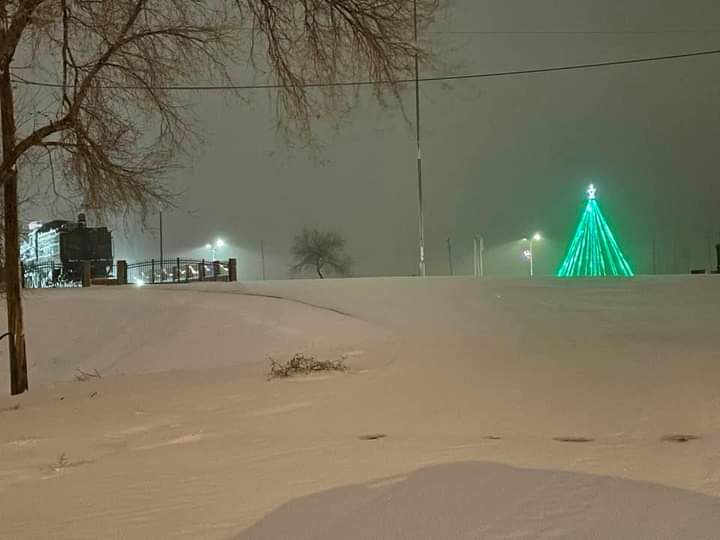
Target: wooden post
x,y
216,270
86,274
187,273
152,271
201,270
13,296
450,261
232,269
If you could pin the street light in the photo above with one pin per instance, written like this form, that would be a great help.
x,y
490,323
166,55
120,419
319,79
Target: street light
x,y
219,243
530,253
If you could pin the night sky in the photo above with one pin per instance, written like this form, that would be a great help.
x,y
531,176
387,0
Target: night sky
x,y
503,157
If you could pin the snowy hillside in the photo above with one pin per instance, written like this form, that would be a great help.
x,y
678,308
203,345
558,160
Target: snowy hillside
x,y
184,437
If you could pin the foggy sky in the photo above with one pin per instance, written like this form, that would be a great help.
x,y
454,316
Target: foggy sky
x,y
502,157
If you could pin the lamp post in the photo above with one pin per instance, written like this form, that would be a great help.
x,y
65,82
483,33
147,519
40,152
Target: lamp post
x,y
219,243
530,252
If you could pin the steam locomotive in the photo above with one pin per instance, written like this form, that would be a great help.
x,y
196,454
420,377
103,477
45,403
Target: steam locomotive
x,y
54,252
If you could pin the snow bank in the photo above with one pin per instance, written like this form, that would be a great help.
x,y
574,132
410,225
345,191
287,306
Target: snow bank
x,y
592,378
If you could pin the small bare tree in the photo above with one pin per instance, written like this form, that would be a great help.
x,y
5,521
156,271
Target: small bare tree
x,y
101,84
322,252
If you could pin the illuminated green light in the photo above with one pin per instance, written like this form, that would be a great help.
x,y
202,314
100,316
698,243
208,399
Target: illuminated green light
x,y
594,252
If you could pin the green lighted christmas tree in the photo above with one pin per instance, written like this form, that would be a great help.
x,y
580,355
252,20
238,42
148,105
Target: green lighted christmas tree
x,y
593,251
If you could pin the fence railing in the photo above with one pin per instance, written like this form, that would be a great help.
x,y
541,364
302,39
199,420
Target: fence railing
x,y
179,270
153,271
69,274
49,275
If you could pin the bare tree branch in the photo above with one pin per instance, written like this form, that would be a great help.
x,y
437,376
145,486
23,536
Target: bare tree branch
x,y
331,41
13,33
321,252
118,126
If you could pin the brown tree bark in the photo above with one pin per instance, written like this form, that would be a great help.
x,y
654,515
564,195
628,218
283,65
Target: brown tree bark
x,y
18,360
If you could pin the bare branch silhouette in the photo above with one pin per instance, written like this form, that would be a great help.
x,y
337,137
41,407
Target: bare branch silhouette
x,y
321,252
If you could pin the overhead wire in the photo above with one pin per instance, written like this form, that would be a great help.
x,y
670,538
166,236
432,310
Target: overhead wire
x,y
437,78
574,32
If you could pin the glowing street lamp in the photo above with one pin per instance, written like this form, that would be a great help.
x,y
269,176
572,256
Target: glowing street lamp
x,y
219,243
529,253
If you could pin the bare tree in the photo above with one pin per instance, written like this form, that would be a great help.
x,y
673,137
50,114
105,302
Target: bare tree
x,y
322,252
101,84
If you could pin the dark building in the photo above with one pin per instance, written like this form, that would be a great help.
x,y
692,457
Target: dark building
x,y
54,252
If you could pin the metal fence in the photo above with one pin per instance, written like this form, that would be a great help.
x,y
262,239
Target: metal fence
x,y
54,275
153,271
177,271
48,275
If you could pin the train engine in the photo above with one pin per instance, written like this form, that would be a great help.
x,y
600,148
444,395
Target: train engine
x,y
54,252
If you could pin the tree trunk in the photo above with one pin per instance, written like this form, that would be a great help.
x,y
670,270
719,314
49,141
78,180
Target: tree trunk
x,y
18,360
318,269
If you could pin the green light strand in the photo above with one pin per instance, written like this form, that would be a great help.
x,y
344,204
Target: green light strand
x,y
593,251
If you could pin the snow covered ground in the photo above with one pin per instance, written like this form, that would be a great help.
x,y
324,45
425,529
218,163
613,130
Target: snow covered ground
x,y
506,409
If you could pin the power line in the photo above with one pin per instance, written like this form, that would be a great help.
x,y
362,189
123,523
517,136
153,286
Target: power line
x,y
440,78
573,32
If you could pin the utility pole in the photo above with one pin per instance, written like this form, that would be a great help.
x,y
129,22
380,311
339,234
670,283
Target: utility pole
x,y
476,269
421,224
654,256
262,258
450,260
482,256
161,242
16,331
708,238
478,252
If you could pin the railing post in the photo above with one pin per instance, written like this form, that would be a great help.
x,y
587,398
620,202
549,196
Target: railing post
x,y
121,273
216,269
86,274
187,273
232,269
152,271
177,270
201,270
